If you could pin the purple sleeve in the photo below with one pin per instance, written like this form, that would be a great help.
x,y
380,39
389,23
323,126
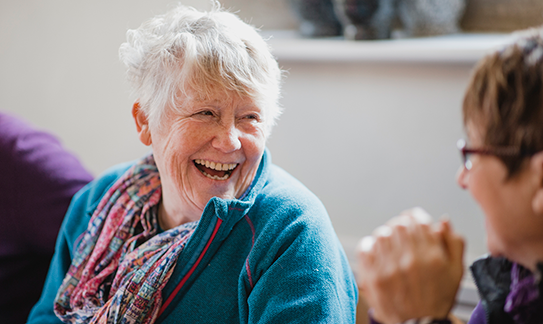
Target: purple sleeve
x,y
478,315
37,182
38,178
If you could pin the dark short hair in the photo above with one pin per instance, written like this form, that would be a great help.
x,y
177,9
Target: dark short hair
x,y
505,98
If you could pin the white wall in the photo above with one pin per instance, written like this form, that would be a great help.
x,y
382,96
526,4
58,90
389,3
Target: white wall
x,y
373,139
60,69
369,139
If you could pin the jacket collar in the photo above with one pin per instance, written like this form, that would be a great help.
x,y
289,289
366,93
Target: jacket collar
x,y
230,211
492,277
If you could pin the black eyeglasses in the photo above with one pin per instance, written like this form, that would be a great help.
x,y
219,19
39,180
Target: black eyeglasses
x,y
497,151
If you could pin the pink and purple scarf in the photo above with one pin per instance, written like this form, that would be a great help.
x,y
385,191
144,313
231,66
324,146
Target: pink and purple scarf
x,y
121,264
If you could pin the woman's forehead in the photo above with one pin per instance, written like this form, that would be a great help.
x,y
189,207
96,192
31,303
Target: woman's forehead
x,y
213,93
219,101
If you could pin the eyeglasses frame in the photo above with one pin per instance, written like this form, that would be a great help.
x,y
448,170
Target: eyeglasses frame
x,y
507,151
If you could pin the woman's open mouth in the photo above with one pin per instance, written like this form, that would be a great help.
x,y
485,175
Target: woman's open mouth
x,y
215,171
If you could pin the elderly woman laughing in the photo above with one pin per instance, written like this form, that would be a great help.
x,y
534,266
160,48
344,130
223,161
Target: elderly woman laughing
x,y
205,229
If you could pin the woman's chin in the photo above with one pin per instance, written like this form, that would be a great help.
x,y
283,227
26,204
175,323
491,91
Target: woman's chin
x,y
222,188
495,254
500,252
493,250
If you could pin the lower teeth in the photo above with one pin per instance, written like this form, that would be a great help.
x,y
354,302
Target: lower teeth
x,y
214,177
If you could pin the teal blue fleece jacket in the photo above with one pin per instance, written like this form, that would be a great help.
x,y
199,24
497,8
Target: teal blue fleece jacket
x,y
270,257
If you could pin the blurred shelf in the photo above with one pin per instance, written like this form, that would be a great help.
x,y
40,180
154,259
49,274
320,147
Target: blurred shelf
x,y
288,46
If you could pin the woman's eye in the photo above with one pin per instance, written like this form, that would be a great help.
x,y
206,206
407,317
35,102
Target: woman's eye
x,y
205,113
251,117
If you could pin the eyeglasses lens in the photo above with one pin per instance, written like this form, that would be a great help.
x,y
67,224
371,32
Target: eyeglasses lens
x,y
467,161
461,144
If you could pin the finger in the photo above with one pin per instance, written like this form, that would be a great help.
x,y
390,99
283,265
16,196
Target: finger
x,y
383,230
422,232
445,217
383,249
410,233
421,215
410,237
401,236
366,258
425,227
418,214
382,245
365,244
443,226
403,232
402,219
455,243
417,223
404,249
441,230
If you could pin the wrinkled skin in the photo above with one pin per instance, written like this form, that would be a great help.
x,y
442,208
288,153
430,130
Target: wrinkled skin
x,y
225,129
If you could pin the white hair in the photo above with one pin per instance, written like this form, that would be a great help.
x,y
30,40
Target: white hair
x,y
187,54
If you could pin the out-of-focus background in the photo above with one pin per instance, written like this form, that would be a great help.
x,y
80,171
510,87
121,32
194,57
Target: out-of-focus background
x,y
369,126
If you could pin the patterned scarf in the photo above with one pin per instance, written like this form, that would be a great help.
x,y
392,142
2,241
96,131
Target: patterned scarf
x,y
121,265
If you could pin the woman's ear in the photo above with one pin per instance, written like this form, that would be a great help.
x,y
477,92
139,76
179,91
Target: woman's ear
x,y
142,124
536,165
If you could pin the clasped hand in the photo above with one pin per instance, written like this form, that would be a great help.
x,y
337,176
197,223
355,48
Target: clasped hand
x,y
410,268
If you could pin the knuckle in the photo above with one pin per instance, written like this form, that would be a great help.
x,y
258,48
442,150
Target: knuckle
x,y
381,240
400,229
407,263
425,227
383,280
437,261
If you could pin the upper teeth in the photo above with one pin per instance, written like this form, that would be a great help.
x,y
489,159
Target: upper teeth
x,y
217,166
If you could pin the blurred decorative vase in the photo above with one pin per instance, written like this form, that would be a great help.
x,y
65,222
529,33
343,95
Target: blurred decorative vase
x,y
317,18
430,17
365,19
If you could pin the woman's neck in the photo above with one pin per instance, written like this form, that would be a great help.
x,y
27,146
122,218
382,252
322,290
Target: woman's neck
x,y
529,255
172,215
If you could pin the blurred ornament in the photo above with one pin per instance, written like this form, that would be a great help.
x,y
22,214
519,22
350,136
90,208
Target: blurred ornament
x,y
317,18
430,17
365,19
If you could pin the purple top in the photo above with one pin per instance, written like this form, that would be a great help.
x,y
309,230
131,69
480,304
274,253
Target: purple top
x,y
478,316
37,182
523,301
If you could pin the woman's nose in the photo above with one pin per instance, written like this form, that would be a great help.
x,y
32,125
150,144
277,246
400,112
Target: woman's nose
x,y
227,139
461,177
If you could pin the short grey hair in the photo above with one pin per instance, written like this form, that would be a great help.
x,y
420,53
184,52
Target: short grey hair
x,y
186,54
